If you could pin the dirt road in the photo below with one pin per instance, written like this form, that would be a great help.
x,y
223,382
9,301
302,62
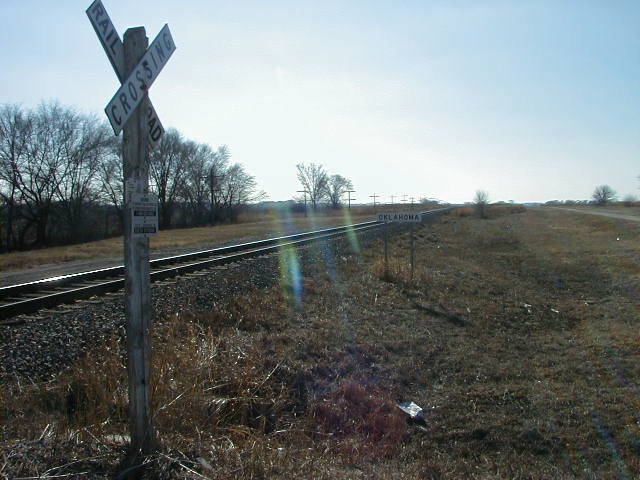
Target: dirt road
x,y
631,218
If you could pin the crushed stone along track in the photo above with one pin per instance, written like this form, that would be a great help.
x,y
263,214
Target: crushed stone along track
x,y
40,344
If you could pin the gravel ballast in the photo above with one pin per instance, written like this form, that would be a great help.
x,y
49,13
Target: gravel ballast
x,y
37,347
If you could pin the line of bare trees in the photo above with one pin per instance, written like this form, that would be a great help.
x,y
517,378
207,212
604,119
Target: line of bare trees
x,y
61,179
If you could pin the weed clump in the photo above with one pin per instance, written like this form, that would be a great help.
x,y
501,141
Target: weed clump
x,y
366,423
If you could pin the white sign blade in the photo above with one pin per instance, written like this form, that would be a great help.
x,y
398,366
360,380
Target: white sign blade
x,y
108,36
133,89
156,130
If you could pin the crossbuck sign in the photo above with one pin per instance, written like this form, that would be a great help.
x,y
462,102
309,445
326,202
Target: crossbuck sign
x,y
133,88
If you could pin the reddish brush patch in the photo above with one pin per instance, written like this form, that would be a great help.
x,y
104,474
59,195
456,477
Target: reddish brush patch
x,y
364,421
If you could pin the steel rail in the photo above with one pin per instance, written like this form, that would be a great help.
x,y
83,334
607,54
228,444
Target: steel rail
x,y
53,291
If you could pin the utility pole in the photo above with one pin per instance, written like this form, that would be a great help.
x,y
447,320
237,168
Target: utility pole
x,y
374,196
305,199
349,192
392,197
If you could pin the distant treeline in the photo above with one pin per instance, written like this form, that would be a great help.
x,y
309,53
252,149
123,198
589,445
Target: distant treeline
x,y
61,179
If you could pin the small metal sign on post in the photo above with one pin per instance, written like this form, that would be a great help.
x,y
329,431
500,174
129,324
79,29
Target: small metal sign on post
x,y
399,217
144,215
131,111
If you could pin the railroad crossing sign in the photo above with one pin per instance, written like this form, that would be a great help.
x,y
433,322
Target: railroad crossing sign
x,y
119,113
131,112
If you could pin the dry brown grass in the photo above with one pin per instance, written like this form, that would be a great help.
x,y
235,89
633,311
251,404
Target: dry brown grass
x,y
489,211
518,336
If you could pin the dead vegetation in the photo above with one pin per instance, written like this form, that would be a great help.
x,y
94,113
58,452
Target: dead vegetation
x,y
518,335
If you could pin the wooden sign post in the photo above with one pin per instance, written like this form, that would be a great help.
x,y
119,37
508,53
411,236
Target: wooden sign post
x,y
386,250
131,112
135,153
412,247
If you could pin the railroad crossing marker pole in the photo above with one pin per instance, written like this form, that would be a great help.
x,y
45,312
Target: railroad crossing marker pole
x,y
130,110
135,155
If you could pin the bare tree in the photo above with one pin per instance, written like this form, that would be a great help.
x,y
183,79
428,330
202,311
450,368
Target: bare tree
x,y
167,169
110,179
15,130
196,186
87,145
315,181
218,164
481,200
336,187
603,194
42,168
239,188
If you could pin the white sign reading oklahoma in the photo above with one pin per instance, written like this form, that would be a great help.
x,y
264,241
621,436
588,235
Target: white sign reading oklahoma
x,y
132,91
400,217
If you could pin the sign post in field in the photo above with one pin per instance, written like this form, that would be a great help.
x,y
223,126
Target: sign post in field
x,y
130,111
399,217
412,248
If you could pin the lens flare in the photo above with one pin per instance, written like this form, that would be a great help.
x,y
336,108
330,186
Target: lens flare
x,y
351,235
290,272
610,442
291,275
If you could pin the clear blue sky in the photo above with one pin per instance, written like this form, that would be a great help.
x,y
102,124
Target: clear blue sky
x,y
533,100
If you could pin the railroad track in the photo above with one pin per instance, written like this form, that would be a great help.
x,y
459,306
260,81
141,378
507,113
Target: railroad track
x,y
49,292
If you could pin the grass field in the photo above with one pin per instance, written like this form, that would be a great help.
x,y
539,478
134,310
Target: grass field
x,y
518,336
250,227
